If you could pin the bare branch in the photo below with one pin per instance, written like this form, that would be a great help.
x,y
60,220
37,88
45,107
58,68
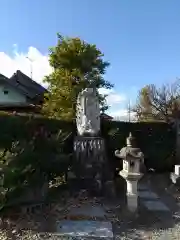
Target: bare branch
x,y
158,103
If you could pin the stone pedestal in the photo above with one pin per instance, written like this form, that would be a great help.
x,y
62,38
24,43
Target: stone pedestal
x,y
177,170
89,149
90,161
175,176
132,202
131,186
132,196
131,193
89,154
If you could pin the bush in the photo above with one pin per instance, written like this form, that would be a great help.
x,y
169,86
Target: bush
x,y
156,140
32,151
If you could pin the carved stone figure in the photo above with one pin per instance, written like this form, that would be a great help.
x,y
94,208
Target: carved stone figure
x,y
88,113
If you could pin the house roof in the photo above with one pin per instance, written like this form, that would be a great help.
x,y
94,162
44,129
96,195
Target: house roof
x,y
2,77
25,85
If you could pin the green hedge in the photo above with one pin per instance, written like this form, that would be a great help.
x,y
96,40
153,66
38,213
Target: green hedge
x,y
32,150
23,127
156,140
30,147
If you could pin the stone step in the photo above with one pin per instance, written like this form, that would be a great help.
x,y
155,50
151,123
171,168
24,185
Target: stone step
x,y
156,206
151,200
85,228
80,229
148,194
64,237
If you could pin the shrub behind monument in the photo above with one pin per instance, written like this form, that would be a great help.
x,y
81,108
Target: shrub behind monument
x,y
50,155
156,140
33,151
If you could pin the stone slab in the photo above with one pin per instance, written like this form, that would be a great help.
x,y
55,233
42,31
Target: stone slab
x,y
88,210
142,187
85,229
156,206
148,194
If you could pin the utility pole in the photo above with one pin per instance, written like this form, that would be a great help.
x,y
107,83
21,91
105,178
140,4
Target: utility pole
x,y
129,110
31,67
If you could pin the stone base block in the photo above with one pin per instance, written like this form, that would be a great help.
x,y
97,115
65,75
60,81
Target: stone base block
x,y
89,153
132,202
91,163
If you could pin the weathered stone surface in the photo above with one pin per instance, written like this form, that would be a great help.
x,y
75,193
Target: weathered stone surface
x,y
156,206
85,229
148,194
89,155
88,113
91,164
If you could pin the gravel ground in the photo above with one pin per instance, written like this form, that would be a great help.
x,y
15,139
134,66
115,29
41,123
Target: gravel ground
x,y
143,225
173,233
148,226
133,234
154,225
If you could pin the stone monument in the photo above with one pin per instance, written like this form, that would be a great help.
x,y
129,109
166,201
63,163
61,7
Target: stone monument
x,y
133,159
91,164
88,113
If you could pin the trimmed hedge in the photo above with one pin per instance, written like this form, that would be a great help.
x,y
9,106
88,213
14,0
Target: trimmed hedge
x,y
31,147
156,140
23,127
32,151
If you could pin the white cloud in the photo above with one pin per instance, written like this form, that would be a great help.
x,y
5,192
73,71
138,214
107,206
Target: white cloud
x,y
38,62
19,61
113,97
122,115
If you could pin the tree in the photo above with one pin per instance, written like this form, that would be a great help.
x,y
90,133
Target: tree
x,y
158,104
76,65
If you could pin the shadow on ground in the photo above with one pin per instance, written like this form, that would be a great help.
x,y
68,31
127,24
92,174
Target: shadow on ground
x,y
145,224
140,225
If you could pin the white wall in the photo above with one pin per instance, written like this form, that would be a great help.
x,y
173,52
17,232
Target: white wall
x,y
13,96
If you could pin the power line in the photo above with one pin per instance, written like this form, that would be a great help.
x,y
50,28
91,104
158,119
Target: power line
x,y
31,67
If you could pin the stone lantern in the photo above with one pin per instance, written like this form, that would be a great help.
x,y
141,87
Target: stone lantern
x,y
133,160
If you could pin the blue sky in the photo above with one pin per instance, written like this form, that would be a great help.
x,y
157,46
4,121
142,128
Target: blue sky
x,y
141,39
